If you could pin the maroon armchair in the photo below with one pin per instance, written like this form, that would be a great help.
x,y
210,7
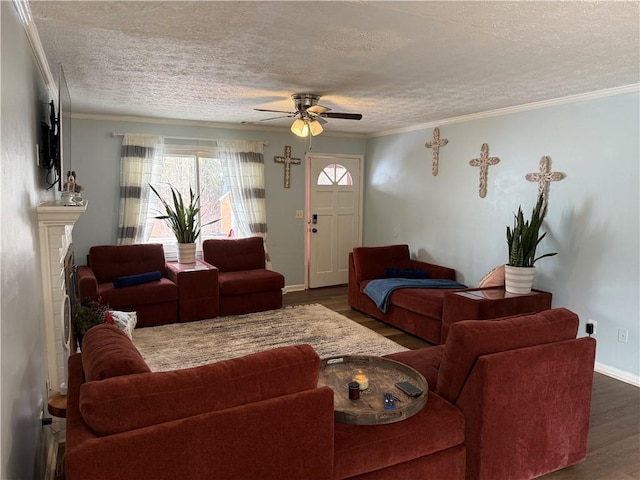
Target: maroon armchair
x,y
154,302
524,387
244,284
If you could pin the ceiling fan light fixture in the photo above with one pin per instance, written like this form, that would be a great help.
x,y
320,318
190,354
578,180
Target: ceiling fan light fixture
x,y
315,128
300,128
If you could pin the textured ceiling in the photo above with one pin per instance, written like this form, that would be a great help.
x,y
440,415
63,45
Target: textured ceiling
x,y
397,63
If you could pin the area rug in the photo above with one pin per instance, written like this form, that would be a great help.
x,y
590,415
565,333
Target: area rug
x,y
183,345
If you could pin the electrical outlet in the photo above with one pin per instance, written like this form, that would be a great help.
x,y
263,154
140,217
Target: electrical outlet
x,y
592,327
623,335
299,213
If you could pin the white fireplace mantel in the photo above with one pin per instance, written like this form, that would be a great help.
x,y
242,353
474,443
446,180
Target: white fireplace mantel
x,y
55,226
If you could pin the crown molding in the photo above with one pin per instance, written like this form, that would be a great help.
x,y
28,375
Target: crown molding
x,y
24,13
200,123
609,92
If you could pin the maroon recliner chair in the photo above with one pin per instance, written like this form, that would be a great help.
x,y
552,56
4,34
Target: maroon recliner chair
x,y
244,284
154,302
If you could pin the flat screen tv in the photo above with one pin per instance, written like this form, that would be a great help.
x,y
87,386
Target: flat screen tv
x,y
64,119
55,142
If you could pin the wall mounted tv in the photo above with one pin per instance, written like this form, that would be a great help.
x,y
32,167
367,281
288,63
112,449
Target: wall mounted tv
x,y
55,151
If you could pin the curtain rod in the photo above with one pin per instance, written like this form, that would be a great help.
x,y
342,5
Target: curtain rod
x,y
199,139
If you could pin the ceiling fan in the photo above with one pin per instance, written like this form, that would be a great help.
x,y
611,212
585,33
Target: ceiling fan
x,y
309,116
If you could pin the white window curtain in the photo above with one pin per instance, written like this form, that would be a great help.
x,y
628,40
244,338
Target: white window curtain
x,y
140,158
243,167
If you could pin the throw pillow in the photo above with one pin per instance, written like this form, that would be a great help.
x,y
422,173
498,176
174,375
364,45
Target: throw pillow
x,y
140,278
405,273
495,278
125,321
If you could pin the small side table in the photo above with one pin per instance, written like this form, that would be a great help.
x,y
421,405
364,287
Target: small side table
x,y
488,303
198,296
57,405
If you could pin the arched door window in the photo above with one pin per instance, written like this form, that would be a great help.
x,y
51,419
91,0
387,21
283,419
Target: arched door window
x,y
335,174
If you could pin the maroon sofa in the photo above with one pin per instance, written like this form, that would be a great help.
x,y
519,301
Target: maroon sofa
x,y
424,312
507,399
244,284
155,302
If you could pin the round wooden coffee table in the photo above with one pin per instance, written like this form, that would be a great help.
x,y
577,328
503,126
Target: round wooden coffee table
x,y
383,374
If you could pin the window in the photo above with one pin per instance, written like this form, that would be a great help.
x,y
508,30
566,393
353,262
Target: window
x,y
335,174
187,167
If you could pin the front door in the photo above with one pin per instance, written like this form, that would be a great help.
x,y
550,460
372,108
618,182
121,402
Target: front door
x,y
333,216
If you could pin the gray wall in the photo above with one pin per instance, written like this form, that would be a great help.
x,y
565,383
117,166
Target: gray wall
x,y
593,217
23,359
95,156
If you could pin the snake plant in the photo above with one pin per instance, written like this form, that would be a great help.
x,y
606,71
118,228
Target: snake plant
x,y
523,239
182,218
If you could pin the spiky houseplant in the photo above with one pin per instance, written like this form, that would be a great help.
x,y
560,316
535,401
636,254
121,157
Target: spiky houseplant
x,y
524,238
180,217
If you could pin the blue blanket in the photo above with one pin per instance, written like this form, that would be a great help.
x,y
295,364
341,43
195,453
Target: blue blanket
x,y
380,290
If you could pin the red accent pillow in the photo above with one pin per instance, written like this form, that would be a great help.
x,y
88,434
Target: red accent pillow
x,y
108,352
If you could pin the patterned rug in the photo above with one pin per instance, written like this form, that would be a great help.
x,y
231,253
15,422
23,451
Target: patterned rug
x,y
183,345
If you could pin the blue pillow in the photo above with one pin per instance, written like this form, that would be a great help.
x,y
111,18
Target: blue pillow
x,y
131,280
405,273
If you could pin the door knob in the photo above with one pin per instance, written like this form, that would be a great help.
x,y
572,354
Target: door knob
x,y
314,230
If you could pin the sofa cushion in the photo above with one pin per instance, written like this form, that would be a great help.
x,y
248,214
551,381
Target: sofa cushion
x,y
249,281
109,262
365,448
235,254
136,401
470,339
164,290
108,352
424,301
139,279
371,262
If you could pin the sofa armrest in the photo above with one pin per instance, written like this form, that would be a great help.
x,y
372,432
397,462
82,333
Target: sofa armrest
x,y
434,271
87,283
284,437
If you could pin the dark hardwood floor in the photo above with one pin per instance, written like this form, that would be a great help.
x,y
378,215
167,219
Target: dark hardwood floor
x,y
614,435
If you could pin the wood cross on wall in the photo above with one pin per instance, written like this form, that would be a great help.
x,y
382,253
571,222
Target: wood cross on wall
x,y
484,162
435,144
543,177
288,161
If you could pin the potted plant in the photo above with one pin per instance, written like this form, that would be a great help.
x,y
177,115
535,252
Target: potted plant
x,y
87,314
184,222
523,241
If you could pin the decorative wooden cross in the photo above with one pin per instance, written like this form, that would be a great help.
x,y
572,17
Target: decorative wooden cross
x,y
435,144
288,161
543,177
484,162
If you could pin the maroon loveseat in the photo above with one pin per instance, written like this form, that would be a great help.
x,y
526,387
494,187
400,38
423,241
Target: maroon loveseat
x,y
424,312
507,399
154,302
244,284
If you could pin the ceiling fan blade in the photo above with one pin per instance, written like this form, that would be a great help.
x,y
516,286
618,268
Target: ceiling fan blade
x,y
275,118
317,109
274,111
345,116
320,120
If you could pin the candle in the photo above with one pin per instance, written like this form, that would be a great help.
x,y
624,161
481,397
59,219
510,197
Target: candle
x,y
362,379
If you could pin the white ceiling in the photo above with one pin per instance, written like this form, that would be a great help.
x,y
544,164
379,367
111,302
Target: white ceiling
x,y
399,64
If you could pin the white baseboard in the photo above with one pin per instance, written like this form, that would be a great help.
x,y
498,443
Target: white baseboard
x,y
293,288
618,374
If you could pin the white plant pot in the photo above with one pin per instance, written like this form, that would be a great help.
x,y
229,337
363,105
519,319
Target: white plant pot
x,y
186,253
518,279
